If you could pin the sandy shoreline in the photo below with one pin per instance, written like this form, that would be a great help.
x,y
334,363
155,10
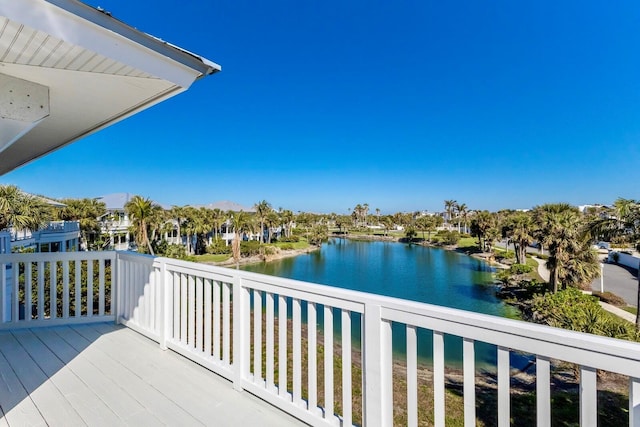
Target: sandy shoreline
x,y
255,259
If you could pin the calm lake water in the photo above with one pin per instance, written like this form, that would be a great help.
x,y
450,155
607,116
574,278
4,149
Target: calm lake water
x,y
411,272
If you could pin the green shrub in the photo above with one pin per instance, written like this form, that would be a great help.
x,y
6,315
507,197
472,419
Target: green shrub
x,y
218,247
249,248
571,309
520,269
292,239
287,246
450,237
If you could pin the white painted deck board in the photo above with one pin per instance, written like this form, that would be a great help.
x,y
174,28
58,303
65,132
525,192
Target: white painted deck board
x,y
102,374
154,402
16,408
83,399
51,403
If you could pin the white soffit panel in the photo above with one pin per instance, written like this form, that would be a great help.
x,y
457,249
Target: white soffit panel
x,y
23,104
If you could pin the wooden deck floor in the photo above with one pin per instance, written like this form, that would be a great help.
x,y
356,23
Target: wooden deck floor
x,y
102,374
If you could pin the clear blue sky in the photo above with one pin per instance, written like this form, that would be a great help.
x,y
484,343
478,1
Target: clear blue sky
x,y
325,104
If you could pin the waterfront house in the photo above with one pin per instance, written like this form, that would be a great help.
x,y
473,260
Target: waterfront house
x,y
94,337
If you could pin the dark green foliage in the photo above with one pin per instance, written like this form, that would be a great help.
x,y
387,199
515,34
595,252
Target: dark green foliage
x,y
448,237
72,287
410,233
520,269
292,239
249,248
571,309
218,247
318,234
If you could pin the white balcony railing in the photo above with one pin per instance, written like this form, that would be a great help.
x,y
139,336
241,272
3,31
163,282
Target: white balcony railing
x,y
267,335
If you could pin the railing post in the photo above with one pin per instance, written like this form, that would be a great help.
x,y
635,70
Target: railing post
x,y
377,372
166,304
241,318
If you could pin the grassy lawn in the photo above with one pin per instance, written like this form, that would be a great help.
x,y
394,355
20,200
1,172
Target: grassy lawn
x,y
632,310
466,242
211,257
302,244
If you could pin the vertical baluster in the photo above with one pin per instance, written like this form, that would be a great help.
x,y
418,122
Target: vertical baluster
x,y
207,316
90,289
282,345
134,293
175,280
588,397
312,338
78,285
199,314
154,299
469,382
145,297
297,351
328,363
41,309
53,288
184,286
216,320
347,402
226,323
28,288
15,294
504,394
191,312
412,376
634,402
438,379
127,282
270,322
257,336
101,287
65,289
543,391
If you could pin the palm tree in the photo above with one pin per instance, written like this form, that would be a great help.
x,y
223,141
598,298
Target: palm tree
x,y
272,220
217,218
520,229
449,206
241,223
179,214
86,212
624,221
287,217
463,212
562,231
22,211
140,210
262,209
483,226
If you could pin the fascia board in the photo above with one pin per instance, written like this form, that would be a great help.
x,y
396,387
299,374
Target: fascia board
x,y
79,24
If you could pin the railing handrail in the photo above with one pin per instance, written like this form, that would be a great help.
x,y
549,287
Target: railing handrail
x,y
55,256
466,319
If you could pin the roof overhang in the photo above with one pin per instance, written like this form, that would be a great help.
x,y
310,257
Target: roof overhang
x,y
68,70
